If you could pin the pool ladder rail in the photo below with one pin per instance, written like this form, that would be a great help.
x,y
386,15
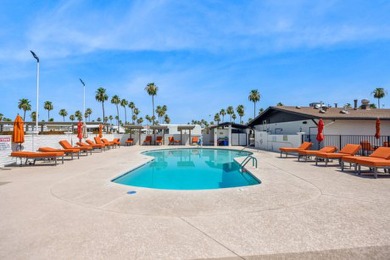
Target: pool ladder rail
x,y
247,160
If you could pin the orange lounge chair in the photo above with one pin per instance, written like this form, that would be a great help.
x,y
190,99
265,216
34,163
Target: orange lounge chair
x,y
195,140
366,147
98,140
308,153
381,153
148,140
172,141
109,143
129,141
287,150
159,140
92,146
66,145
66,151
37,156
348,150
373,163
117,141
90,142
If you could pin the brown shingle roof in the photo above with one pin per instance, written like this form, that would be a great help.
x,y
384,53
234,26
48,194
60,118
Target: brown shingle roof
x,y
336,113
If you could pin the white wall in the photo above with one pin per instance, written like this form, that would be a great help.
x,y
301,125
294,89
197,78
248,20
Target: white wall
x,y
265,141
338,127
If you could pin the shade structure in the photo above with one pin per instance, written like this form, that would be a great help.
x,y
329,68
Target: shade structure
x,y
85,132
80,130
100,130
320,134
18,133
377,128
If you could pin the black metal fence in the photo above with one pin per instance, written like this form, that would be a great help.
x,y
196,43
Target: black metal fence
x,y
341,140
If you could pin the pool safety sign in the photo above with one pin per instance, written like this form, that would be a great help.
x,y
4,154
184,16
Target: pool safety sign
x,y
5,143
5,150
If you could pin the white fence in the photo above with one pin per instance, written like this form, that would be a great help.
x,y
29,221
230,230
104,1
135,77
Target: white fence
x,y
265,141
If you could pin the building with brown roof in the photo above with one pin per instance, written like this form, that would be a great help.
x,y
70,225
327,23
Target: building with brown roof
x,y
289,120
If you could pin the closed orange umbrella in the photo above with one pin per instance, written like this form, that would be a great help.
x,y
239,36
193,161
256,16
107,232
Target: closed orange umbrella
x,y
80,130
18,133
377,128
320,134
100,130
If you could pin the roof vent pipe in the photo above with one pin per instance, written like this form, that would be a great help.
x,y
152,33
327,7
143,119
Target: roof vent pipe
x,y
335,105
355,104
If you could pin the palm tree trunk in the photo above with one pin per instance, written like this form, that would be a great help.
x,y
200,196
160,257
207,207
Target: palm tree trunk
x,y
125,115
153,108
24,116
254,110
117,113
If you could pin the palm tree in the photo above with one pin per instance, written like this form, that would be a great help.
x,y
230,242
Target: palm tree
x,y
140,120
135,114
110,118
149,118
78,115
152,89
33,116
116,101
1,117
25,105
217,118
280,104
132,106
161,111
379,93
124,104
72,118
254,96
48,106
222,113
167,120
63,113
98,119
88,113
101,96
230,112
234,117
241,112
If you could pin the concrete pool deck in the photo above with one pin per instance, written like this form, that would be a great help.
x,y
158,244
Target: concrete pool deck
x,y
299,211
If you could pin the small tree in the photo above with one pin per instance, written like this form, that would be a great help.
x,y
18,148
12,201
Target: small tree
x,y
63,113
48,105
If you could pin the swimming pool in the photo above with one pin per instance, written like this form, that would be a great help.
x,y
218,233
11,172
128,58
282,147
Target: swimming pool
x,y
190,169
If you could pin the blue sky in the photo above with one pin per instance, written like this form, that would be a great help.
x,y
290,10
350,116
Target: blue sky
x,y
203,55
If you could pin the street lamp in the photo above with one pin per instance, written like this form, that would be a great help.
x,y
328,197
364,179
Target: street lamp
x,y
36,113
82,82
84,115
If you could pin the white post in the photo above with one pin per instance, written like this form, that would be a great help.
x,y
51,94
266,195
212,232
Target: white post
x,y
216,136
230,135
37,111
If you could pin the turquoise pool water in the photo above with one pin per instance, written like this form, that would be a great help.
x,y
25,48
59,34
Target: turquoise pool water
x,y
190,169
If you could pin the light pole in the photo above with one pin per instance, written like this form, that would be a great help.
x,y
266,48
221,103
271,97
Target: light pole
x,y
36,113
82,82
84,115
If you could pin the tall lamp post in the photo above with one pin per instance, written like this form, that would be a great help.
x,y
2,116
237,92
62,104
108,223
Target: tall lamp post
x,y
84,115
36,113
82,82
